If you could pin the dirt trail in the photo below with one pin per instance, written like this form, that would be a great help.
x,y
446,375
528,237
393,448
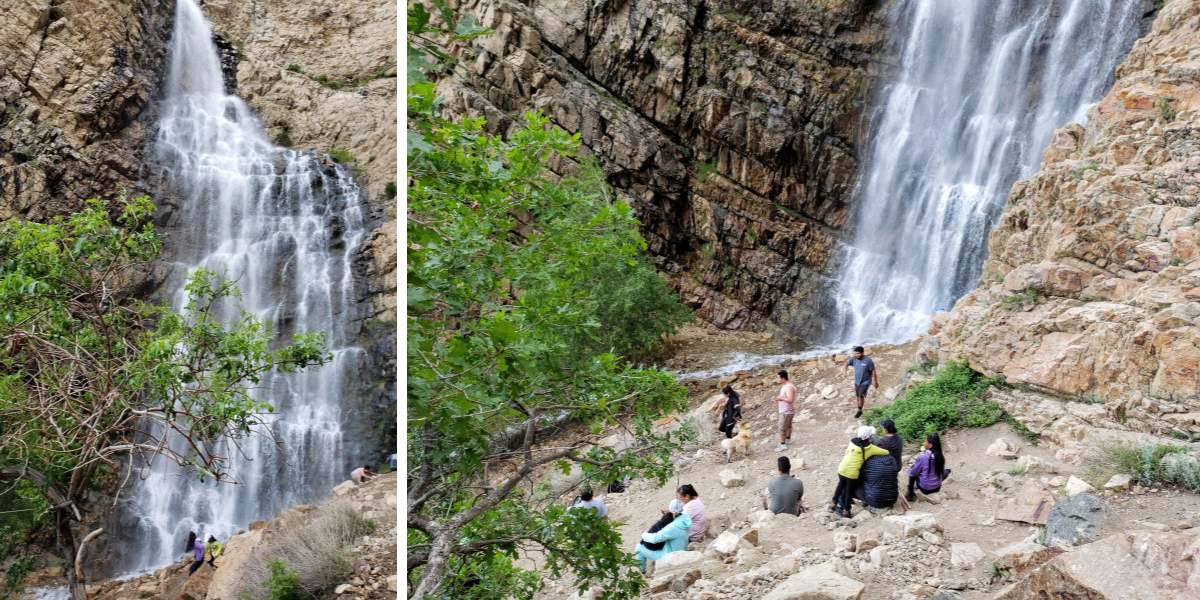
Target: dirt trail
x,y
823,425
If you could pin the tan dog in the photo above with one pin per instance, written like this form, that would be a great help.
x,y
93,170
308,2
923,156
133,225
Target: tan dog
x,y
738,443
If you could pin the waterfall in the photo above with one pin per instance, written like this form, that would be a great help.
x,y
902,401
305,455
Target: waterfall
x,y
980,88
285,226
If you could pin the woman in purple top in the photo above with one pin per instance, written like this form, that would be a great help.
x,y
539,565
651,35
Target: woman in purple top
x,y
196,547
928,473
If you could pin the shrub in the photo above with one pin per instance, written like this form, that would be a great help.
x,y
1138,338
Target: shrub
x,y
953,398
283,584
342,156
1088,399
318,554
1150,464
295,68
389,190
284,138
1165,110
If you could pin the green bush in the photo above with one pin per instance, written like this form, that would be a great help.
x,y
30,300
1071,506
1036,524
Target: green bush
x,y
1149,464
283,584
295,68
954,398
389,190
284,138
342,156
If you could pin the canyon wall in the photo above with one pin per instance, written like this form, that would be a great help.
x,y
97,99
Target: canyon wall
x,y
732,128
1090,302
77,80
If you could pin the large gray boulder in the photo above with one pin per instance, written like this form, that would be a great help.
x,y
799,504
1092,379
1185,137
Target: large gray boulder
x,y
1075,520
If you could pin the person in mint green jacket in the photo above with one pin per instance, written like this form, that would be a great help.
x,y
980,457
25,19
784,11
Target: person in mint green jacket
x,y
674,537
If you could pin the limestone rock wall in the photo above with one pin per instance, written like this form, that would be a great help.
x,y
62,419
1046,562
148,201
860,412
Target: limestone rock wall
x,y
1090,302
731,127
77,80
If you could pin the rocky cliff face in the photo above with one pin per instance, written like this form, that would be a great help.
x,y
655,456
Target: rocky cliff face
x,y
76,84
730,127
1090,302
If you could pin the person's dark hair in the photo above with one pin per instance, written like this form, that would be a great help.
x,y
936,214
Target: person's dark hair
x,y
728,390
783,374
859,349
939,460
687,490
586,495
191,543
212,538
367,467
785,465
888,425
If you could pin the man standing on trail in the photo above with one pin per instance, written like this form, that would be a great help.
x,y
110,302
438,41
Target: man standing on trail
x,y
787,410
864,375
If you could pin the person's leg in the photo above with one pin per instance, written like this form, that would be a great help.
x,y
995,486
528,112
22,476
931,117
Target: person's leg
x,y
911,495
834,503
195,565
848,496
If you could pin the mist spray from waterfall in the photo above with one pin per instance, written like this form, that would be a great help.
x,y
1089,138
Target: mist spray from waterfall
x,y
284,226
979,89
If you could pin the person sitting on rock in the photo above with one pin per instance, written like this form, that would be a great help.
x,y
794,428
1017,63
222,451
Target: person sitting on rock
x,y
784,493
667,517
857,452
588,500
890,441
878,487
929,471
673,536
694,509
362,475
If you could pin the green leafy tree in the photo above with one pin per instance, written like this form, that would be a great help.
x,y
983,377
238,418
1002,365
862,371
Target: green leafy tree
x,y
510,331
90,376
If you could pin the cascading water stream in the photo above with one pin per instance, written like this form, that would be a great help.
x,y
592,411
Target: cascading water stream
x,y
979,90
284,226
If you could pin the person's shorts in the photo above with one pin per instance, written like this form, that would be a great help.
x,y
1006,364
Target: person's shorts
x,y
860,391
785,423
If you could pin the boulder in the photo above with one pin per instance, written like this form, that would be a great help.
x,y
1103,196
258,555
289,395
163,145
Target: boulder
x,y
1031,504
817,583
674,582
931,538
1075,520
845,541
898,527
868,540
1076,485
342,489
1118,483
1003,448
880,556
678,560
784,566
196,587
729,543
1146,565
965,556
730,478
750,557
256,525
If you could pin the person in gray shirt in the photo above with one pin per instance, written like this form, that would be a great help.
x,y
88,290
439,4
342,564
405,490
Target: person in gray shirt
x,y
785,494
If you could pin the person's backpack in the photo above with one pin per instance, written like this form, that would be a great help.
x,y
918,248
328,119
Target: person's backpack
x,y
666,519
616,487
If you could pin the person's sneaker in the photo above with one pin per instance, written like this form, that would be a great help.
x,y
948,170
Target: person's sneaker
x,y
781,447
911,497
858,414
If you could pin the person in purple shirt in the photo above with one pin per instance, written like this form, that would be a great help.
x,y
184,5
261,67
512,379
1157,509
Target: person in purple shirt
x,y
196,547
928,473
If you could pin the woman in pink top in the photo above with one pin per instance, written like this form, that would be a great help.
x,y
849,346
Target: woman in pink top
x,y
694,508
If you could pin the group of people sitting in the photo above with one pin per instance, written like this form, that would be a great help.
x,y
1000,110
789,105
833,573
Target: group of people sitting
x,y
869,472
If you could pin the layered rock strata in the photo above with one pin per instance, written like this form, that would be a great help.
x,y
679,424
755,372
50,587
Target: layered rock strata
x,y
1090,302
731,128
77,81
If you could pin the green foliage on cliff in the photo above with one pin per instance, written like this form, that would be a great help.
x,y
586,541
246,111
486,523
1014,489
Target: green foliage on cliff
x,y
953,398
524,291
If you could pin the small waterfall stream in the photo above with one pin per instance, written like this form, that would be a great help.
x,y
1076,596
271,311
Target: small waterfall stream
x,y
284,225
978,92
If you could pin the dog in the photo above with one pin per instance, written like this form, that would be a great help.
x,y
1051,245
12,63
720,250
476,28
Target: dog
x,y
738,443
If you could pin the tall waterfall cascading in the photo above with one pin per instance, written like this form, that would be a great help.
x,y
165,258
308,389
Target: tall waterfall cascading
x,y
979,90
284,226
